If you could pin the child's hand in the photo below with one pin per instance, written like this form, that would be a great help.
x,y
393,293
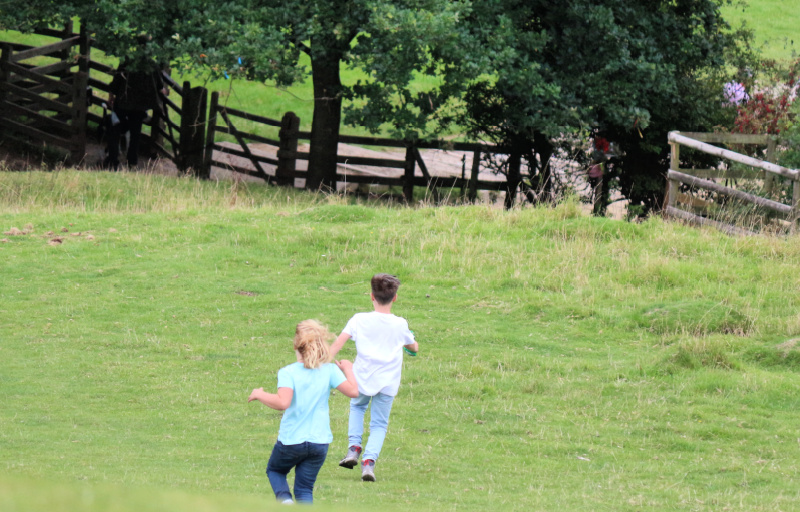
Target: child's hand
x,y
254,394
344,365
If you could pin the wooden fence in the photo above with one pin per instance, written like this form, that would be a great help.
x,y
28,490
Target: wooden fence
x,y
407,173
699,179
58,101
41,96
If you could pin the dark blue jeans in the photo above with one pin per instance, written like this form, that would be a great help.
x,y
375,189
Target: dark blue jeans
x,y
306,459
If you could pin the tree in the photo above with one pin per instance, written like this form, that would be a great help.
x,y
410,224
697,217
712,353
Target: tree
x,y
392,42
626,69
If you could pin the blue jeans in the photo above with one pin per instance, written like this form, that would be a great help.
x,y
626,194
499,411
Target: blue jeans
x,y
378,422
306,459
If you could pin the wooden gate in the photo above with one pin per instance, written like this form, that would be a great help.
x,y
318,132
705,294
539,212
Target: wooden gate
x,y
41,96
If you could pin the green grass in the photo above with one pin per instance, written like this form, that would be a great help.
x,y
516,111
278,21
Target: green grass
x,y
566,362
774,23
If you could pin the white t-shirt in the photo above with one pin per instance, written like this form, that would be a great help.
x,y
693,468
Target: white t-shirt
x,y
379,341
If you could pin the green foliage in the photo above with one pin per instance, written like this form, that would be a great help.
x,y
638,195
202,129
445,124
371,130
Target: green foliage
x,y
628,70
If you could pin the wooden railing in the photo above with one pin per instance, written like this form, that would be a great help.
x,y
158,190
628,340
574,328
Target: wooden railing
x,y
41,97
54,93
767,172
282,168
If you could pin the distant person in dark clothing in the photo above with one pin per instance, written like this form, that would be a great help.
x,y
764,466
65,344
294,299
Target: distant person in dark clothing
x,y
131,94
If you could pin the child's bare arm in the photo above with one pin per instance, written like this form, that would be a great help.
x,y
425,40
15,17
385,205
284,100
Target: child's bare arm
x,y
280,401
339,343
349,388
414,347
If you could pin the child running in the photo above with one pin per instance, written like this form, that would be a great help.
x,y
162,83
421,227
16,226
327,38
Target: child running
x,y
380,337
305,431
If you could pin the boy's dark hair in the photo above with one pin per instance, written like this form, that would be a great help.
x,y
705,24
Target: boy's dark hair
x,y
384,288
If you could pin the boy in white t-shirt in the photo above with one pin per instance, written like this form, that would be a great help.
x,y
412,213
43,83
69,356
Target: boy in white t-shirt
x,y
380,337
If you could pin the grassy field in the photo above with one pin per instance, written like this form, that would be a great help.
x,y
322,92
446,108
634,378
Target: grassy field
x,y
567,362
774,23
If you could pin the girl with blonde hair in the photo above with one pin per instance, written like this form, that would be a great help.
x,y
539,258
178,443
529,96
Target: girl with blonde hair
x,y
303,391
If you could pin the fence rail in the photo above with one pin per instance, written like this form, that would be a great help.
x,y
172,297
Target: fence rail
x,y
696,178
46,100
58,102
282,168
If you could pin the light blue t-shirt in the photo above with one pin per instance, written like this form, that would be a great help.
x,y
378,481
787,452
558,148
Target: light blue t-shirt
x,y
307,419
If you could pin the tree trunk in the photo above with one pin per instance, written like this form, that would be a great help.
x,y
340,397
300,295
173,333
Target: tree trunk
x,y
327,117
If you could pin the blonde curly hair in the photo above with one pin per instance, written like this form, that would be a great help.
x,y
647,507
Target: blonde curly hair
x,y
311,340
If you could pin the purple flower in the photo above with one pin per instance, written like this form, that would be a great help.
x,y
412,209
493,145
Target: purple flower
x,y
735,93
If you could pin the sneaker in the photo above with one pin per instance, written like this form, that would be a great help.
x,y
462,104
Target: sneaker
x,y
368,470
287,501
351,459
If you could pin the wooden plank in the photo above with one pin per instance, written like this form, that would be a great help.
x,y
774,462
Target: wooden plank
x,y
370,162
37,117
97,66
35,134
371,141
795,205
349,160
249,117
249,136
52,69
472,193
421,163
210,131
728,138
38,100
671,211
749,174
436,144
168,136
50,88
40,51
78,122
171,82
242,154
41,79
242,143
171,104
243,170
50,32
369,180
98,85
738,194
732,155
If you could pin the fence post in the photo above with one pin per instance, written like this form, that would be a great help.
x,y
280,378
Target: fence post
x,y
674,165
795,204
513,179
473,181
287,149
769,178
211,128
85,49
193,128
79,108
64,75
408,175
5,60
